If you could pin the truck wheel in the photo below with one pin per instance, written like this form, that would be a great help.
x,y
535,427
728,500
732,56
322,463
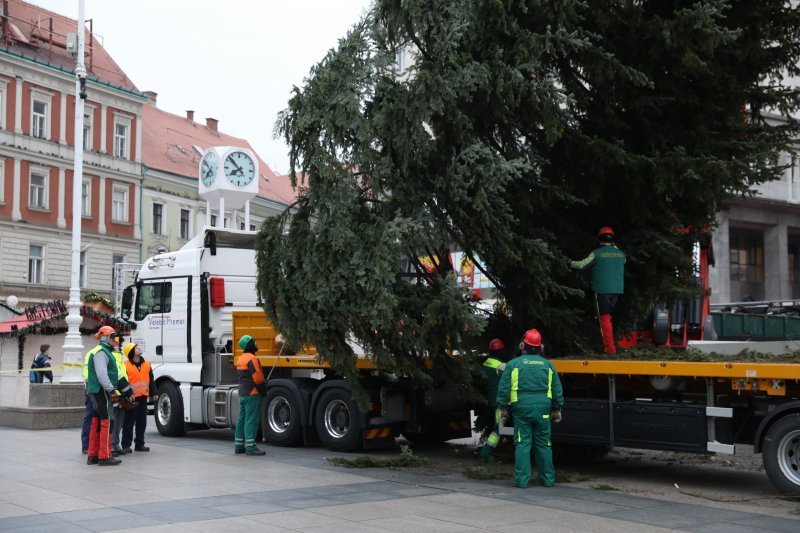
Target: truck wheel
x,y
338,421
169,410
280,417
781,453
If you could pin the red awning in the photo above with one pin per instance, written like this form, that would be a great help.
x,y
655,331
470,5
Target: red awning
x,y
19,322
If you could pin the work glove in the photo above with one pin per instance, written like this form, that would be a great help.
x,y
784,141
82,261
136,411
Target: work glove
x,y
115,396
555,416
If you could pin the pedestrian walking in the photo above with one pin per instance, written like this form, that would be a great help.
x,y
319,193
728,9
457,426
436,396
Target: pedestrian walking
x,y
530,388
41,362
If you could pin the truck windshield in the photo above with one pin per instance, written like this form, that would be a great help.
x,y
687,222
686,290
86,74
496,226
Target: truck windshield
x,y
153,298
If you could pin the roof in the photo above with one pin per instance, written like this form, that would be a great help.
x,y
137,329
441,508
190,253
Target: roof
x,y
41,35
169,141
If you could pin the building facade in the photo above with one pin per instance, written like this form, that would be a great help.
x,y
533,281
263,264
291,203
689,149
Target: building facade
x,y
757,242
37,137
172,210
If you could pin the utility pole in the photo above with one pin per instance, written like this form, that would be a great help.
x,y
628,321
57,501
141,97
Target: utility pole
x,y
73,345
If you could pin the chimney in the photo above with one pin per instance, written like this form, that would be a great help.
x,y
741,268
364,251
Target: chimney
x,y
151,97
190,115
211,123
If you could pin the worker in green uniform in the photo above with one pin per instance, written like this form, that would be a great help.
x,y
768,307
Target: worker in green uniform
x,y
493,368
608,282
251,388
530,387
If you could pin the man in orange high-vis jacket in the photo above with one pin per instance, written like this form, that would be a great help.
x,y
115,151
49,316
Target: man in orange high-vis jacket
x,y
251,387
140,376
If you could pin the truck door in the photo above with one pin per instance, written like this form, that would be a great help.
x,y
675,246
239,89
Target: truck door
x,y
162,315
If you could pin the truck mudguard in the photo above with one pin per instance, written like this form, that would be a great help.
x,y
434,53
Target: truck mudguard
x,y
773,416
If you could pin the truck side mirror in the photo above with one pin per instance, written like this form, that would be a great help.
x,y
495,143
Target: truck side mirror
x,y
127,303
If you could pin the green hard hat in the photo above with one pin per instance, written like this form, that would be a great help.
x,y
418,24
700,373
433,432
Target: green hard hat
x,y
244,341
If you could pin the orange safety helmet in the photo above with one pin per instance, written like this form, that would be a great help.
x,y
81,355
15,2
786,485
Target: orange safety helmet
x,y
496,344
105,331
605,231
532,338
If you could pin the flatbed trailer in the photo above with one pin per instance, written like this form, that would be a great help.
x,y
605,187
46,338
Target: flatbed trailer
x,y
685,406
307,403
188,308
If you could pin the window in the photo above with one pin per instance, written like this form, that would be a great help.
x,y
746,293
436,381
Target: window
x,y
87,130
747,265
158,219
37,197
153,298
793,176
86,198
241,226
226,222
213,221
185,229
2,180
2,104
39,119
36,263
121,128
82,271
119,204
252,227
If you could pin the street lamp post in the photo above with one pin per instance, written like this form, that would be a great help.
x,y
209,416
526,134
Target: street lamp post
x,y
73,345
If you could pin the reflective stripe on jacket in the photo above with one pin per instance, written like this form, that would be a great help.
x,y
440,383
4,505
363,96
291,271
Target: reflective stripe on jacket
x,y
140,377
86,362
251,378
121,371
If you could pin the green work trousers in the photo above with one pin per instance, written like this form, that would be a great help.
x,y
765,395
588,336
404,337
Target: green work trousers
x,y
532,426
493,438
247,422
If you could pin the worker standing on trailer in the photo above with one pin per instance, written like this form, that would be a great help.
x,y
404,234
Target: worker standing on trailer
x,y
530,388
608,282
493,368
251,387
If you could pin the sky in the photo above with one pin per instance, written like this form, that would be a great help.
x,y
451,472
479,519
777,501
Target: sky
x,y
182,48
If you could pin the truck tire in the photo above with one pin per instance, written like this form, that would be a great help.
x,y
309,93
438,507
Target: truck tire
x,y
338,420
280,417
781,454
168,411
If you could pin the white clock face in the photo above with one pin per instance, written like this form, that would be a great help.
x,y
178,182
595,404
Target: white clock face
x,y
208,168
239,169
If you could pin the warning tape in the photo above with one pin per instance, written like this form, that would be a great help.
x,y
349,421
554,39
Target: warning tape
x,y
48,369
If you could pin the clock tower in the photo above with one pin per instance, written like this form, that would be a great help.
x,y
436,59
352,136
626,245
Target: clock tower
x,y
228,179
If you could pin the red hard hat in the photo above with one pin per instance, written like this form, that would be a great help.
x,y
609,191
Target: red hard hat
x,y
532,338
496,344
605,230
105,331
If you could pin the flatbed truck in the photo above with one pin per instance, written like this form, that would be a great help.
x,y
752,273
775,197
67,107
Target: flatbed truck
x,y
188,308
685,406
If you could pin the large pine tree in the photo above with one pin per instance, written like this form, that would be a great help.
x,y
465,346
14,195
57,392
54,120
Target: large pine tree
x,y
518,129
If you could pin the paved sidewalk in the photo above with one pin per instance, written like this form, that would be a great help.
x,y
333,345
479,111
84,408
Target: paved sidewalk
x,y
196,483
